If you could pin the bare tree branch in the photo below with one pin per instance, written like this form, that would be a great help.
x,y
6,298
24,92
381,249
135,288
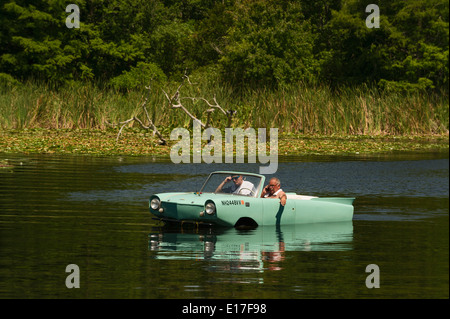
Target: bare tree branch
x,y
151,125
175,100
216,105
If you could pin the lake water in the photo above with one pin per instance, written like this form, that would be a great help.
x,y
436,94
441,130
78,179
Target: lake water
x,y
93,212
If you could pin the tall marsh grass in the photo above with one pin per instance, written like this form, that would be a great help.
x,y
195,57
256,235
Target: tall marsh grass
x,y
300,109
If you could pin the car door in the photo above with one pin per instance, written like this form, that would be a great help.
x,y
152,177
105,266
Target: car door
x,y
276,214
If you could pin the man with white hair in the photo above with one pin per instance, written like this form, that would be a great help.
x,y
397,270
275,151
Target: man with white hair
x,y
273,190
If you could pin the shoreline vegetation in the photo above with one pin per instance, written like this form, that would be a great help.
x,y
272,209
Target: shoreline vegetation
x,y
298,109
35,118
136,142
316,70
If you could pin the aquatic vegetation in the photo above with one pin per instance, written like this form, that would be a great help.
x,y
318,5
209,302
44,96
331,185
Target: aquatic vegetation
x,y
140,142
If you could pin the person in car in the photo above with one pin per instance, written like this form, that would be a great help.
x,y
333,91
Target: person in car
x,y
239,186
273,190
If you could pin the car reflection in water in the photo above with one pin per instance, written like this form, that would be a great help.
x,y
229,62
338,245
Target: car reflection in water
x,y
254,250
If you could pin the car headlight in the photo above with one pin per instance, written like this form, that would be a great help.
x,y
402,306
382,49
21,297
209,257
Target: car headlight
x,y
210,208
155,203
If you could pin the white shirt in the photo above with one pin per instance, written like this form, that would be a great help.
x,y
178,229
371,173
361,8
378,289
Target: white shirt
x,y
274,194
246,188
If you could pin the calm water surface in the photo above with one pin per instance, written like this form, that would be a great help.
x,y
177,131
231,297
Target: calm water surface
x,y
93,212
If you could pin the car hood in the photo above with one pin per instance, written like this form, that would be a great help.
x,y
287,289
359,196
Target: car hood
x,y
194,198
183,198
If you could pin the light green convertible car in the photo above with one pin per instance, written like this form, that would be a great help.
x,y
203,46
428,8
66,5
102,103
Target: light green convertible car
x,y
222,202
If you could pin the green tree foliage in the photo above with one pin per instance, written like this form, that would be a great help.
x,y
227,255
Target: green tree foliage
x,y
419,41
248,42
270,43
139,77
408,51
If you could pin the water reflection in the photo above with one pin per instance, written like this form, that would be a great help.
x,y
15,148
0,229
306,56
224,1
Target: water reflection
x,y
255,250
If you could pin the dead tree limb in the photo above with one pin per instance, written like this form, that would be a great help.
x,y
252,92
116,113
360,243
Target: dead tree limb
x,y
229,113
216,105
175,99
150,126
175,102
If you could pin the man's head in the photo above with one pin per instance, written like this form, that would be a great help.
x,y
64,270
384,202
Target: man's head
x,y
237,179
274,185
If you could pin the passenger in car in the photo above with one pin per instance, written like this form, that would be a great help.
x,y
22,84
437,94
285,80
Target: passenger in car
x,y
273,190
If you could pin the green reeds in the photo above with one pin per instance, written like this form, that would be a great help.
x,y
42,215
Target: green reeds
x,y
298,109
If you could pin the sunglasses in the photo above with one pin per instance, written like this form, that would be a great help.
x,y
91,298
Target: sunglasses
x,y
235,178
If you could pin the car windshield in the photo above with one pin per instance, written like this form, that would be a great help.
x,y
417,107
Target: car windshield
x,y
232,184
